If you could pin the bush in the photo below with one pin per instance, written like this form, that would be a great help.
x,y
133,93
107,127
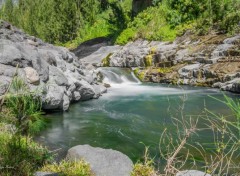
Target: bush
x,y
25,106
20,156
126,36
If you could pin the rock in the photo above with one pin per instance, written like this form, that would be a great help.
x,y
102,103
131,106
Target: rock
x,y
45,174
192,173
54,98
4,83
99,90
32,75
86,90
105,162
56,72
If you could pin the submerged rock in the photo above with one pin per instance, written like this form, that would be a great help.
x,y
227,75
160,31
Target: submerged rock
x,y
105,162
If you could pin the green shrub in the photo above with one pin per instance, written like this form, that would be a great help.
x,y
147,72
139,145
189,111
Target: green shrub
x,y
25,106
69,168
126,36
20,155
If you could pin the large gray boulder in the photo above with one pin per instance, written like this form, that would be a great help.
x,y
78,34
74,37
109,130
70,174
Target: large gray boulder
x,y
54,72
103,162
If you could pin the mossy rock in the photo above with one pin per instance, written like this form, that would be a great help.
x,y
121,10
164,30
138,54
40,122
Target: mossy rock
x,y
140,74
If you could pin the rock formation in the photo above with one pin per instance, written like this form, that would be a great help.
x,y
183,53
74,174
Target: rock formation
x,y
53,72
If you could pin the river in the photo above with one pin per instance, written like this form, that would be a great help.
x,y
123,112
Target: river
x,y
131,116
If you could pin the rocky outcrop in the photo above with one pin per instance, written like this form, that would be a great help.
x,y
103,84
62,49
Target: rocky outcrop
x,y
212,60
53,72
105,162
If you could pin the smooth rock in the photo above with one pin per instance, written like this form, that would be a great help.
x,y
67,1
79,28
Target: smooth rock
x,y
103,162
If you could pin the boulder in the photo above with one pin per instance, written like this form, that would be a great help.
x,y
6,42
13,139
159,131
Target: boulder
x,y
32,75
45,174
54,98
192,173
105,162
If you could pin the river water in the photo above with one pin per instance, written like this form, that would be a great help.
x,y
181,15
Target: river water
x,y
131,116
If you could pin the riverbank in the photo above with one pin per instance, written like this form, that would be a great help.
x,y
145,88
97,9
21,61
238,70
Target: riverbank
x,y
211,60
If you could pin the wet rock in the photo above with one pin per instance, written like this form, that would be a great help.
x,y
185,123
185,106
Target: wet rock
x,y
105,162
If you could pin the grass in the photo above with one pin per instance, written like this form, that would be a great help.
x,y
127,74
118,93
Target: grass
x,y
20,155
69,168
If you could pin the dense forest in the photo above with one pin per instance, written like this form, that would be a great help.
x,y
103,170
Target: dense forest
x,y
72,22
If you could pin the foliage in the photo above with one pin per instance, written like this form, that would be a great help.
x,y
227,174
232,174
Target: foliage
x,y
22,157
25,107
51,20
69,168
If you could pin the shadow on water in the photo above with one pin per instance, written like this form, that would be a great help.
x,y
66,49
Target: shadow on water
x,y
130,114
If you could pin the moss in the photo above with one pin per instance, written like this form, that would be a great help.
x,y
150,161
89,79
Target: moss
x,y
153,50
140,74
106,60
148,60
69,168
165,70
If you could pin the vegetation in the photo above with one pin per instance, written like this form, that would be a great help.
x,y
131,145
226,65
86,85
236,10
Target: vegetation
x,y
72,22
221,157
69,168
20,155
167,19
20,117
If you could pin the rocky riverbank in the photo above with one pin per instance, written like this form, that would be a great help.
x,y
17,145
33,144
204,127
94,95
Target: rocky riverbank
x,y
212,60
55,73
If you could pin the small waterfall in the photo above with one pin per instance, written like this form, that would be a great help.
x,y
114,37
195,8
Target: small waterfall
x,y
118,76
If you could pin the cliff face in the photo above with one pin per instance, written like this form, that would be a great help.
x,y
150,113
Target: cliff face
x,y
56,73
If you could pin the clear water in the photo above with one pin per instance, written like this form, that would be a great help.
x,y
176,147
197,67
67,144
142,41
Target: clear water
x,y
129,115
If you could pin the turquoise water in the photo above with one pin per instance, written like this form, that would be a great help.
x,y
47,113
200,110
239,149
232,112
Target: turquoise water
x,y
129,117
